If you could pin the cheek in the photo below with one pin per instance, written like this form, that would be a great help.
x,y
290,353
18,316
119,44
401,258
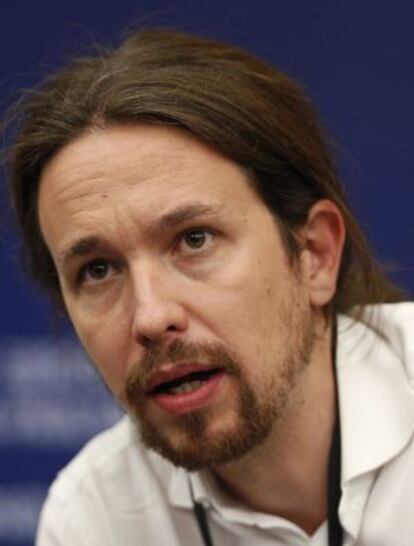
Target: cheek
x,y
249,302
257,321
106,342
246,319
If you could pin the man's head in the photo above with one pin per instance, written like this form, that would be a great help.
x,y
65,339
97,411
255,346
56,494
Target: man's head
x,y
177,196
242,107
174,274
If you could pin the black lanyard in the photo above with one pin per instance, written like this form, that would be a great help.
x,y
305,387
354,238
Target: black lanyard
x,y
335,531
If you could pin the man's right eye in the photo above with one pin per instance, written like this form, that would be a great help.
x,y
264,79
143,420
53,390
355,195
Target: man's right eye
x,y
94,272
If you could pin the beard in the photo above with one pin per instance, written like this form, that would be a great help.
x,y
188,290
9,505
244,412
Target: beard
x,y
197,440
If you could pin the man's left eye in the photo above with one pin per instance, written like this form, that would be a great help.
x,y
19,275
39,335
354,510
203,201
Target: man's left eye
x,y
195,239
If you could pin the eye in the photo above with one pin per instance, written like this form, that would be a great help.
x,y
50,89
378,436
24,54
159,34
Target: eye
x,y
95,271
195,239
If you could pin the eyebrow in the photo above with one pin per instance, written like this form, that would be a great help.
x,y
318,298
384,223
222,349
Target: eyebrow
x,y
82,247
181,215
170,220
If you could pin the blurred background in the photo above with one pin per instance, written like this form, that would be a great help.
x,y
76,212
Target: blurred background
x,y
355,59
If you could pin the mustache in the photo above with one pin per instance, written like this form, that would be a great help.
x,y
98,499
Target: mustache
x,y
211,354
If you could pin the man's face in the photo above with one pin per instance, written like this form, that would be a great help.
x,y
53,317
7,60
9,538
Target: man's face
x,y
176,280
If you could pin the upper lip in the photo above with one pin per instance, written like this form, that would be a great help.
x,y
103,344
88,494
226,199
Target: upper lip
x,y
167,373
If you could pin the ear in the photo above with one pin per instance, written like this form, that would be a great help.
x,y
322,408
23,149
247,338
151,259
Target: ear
x,y
322,240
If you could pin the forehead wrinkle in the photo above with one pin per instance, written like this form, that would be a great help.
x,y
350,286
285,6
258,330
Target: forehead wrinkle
x,y
69,185
80,181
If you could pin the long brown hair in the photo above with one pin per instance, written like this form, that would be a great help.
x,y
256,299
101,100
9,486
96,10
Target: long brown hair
x,y
224,96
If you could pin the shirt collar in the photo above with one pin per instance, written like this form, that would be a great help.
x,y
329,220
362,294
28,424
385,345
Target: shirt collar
x,y
376,402
207,492
375,361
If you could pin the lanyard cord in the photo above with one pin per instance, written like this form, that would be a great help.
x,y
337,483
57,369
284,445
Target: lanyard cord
x,y
201,517
335,531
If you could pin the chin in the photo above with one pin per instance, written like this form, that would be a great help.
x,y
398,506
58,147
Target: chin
x,y
197,441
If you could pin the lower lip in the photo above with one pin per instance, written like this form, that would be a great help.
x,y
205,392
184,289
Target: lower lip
x,y
178,404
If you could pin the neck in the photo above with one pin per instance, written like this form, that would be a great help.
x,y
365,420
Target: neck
x,y
287,475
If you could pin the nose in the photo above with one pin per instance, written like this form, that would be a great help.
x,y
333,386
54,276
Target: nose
x,y
158,311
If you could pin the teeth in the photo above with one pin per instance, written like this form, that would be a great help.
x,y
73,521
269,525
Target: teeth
x,y
188,386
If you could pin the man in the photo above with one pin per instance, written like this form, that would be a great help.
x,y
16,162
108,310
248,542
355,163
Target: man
x,y
176,196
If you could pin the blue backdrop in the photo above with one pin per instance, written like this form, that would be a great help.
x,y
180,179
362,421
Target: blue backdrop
x,y
356,61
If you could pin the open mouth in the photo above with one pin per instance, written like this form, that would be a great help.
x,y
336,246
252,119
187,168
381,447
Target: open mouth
x,y
186,383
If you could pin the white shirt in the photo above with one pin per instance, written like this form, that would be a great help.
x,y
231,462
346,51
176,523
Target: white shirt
x,y
117,493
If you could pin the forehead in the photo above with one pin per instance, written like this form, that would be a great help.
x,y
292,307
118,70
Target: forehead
x,y
123,156
141,171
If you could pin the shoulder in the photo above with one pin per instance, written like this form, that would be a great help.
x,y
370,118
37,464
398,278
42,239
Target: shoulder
x,y
390,325
395,324
113,487
107,464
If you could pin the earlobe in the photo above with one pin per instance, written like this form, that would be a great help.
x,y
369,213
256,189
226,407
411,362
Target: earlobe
x,y
322,241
